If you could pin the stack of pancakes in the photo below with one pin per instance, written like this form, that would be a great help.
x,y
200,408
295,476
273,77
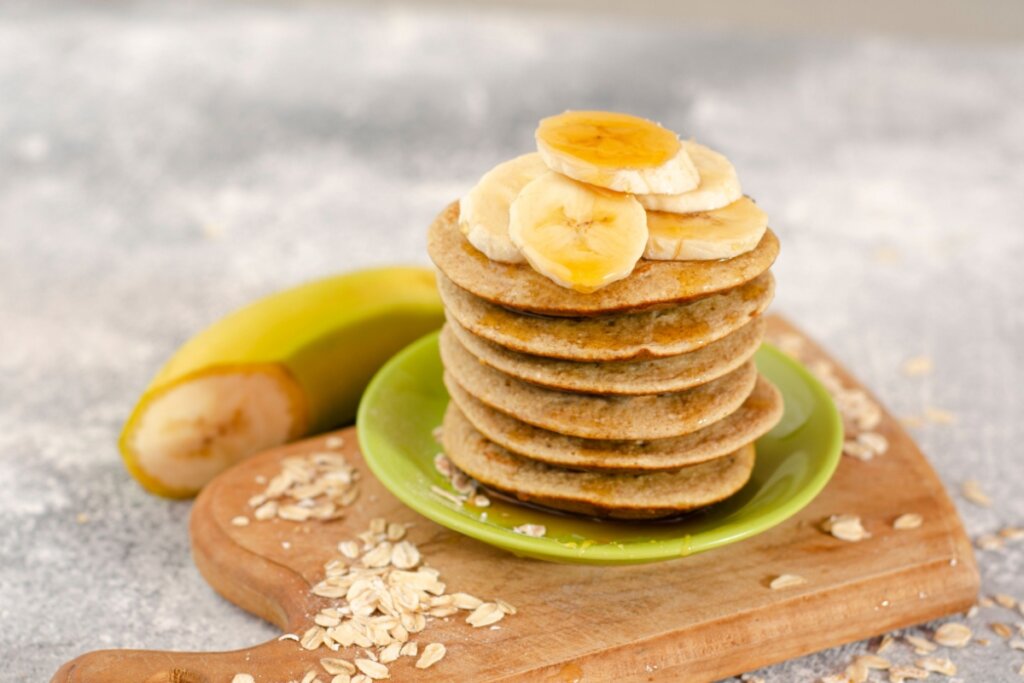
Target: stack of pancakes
x,y
640,400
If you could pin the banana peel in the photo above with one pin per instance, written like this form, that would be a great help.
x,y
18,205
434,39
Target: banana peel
x,y
288,365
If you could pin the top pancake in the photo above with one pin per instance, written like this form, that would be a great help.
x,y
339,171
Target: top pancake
x,y
652,282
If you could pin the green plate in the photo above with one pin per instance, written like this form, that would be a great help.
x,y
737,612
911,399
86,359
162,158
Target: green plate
x,y
406,400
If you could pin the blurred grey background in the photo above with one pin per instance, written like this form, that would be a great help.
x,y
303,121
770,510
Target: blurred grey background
x,y
164,163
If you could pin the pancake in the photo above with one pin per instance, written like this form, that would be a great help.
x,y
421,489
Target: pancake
x,y
591,416
655,333
758,414
660,375
652,282
623,496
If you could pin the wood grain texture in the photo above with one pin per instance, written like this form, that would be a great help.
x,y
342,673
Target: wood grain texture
x,y
697,619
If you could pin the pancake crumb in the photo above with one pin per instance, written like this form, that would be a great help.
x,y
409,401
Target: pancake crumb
x,y
534,530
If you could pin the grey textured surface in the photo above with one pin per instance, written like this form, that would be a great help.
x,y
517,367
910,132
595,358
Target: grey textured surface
x,y
159,167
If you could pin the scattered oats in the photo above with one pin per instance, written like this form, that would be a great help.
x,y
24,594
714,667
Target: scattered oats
x,y
361,678
481,501
939,416
922,646
1004,600
855,449
534,530
911,422
377,557
327,621
874,442
349,549
1020,671
845,528
506,607
910,520
243,678
240,520
1017,644
466,601
447,495
309,677
972,492
918,365
334,443
313,638
82,518
786,581
900,673
835,678
390,653
873,662
404,555
790,343
887,255
884,644
857,672
953,634
294,513
342,678
972,612
395,532
939,665
989,542
984,642
410,649
443,465
432,654
1002,630
486,614
986,601
333,665
266,511
373,670
289,636
1012,533
462,483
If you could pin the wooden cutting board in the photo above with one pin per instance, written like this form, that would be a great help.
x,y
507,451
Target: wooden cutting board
x,y
700,618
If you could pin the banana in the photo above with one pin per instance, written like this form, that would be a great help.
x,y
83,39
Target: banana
x,y
288,365
616,151
579,236
483,212
705,236
719,185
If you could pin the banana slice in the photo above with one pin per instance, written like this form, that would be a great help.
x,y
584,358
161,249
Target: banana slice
x,y
616,151
707,235
483,212
719,186
579,236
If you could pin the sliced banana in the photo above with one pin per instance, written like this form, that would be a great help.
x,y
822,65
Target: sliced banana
x,y
201,427
719,186
579,236
707,235
616,151
483,212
